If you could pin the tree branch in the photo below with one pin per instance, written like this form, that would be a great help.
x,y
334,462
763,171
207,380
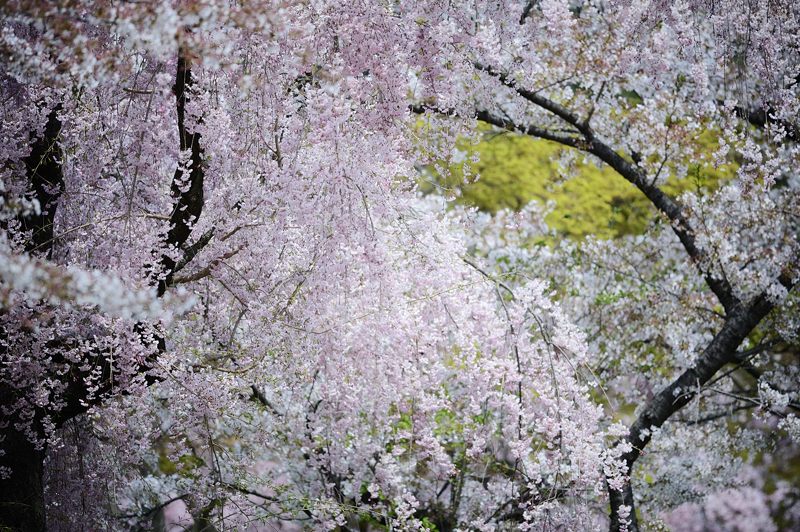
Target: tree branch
x,y
760,117
191,251
535,98
187,190
720,351
633,173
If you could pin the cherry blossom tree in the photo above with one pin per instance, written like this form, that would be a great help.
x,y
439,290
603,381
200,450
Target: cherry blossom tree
x,y
223,298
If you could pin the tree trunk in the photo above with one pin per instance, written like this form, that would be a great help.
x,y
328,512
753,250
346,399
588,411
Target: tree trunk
x,y
21,494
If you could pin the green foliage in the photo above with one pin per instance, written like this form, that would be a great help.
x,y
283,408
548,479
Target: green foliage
x,y
185,465
447,423
515,169
429,525
608,298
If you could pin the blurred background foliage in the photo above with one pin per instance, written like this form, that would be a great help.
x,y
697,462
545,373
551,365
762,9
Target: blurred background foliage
x,y
513,170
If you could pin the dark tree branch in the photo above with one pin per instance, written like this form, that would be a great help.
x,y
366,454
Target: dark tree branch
x,y
507,124
529,5
191,251
760,117
633,173
537,99
259,396
720,351
530,130
186,189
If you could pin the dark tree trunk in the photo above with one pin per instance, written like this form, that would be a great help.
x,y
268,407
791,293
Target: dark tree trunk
x,y
22,505
618,499
21,494
189,202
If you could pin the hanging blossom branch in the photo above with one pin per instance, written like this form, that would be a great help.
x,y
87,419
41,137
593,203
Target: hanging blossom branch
x,y
187,209
75,287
